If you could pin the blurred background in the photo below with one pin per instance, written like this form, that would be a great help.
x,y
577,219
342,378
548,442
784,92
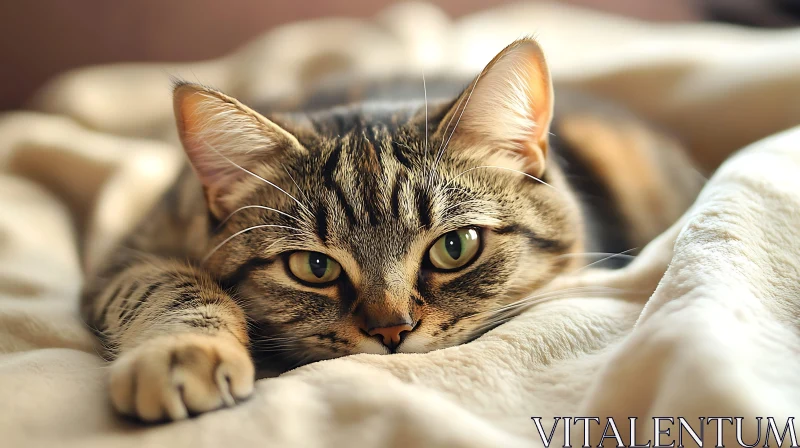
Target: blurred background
x,y
42,38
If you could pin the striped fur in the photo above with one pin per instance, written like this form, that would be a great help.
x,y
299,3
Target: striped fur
x,y
204,281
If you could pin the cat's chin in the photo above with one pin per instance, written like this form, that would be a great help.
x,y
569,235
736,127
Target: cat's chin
x,y
371,346
415,344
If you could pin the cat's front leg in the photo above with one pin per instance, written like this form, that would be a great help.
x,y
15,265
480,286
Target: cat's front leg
x,y
173,376
177,341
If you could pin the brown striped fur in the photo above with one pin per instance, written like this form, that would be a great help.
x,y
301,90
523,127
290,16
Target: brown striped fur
x,y
203,286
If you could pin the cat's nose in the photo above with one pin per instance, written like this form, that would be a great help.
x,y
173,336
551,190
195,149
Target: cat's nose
x,y
392,335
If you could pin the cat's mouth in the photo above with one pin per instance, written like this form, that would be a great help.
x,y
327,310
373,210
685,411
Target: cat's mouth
x,y
392,338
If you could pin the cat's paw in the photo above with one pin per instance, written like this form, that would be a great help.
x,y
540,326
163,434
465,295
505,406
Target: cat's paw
x,y
171,377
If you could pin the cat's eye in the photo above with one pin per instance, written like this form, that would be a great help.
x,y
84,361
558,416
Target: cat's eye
x,y
314,267
455,249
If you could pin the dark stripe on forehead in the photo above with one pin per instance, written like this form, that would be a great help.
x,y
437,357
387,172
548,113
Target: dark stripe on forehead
x,y
396,190
364,153
544,244
330,166
423,208
328,170
349,212
371,160
399,152
371,135
343,123
370,193
322,223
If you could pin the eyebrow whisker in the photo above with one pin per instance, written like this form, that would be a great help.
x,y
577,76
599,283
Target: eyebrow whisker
x,y
258,177
499,168
218,246
623,253
255,206
445,143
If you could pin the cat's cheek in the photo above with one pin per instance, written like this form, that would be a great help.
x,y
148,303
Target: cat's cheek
x,y
416,343
369,345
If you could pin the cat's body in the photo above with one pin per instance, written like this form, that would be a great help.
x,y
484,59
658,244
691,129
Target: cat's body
x,y
376,227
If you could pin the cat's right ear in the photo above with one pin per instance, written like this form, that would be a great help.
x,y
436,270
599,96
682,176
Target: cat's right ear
x,y
222,138
505,113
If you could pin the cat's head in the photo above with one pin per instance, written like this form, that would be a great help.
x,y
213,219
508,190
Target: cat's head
x,y
380,229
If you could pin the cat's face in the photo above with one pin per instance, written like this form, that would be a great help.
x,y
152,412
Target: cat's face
x,y
367,230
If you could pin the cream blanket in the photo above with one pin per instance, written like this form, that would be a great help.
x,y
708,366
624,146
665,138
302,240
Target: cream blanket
x,y
719,336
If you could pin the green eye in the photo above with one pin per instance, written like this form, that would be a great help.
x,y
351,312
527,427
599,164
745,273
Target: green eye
x,y
314,267
455,249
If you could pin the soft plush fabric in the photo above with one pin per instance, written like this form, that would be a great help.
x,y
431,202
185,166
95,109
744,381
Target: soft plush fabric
x,y
703,322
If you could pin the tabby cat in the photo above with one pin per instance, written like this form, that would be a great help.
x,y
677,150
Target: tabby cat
x,y
374,227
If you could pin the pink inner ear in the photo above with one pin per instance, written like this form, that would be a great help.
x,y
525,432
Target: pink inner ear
x,y
225,139
202,129
512,104
217,134
514,95
191,123
214,173
210,166
540,96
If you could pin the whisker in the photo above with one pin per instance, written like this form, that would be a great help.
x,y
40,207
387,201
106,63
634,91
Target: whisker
x,y
296,185
550,295
609,255
444,146
255,206
624,252
273,345
505,314
425,90
448,127
404,145
588,292
433,166
463,203
305,359
489,325
529,299
456,188
243,231
500,168
595,254
258,177
277,339
275,242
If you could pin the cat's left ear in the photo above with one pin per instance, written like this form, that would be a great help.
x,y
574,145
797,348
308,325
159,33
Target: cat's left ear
x,y
222,138
506,112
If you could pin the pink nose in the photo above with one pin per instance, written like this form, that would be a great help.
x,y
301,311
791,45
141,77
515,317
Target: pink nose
x,y
392,336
